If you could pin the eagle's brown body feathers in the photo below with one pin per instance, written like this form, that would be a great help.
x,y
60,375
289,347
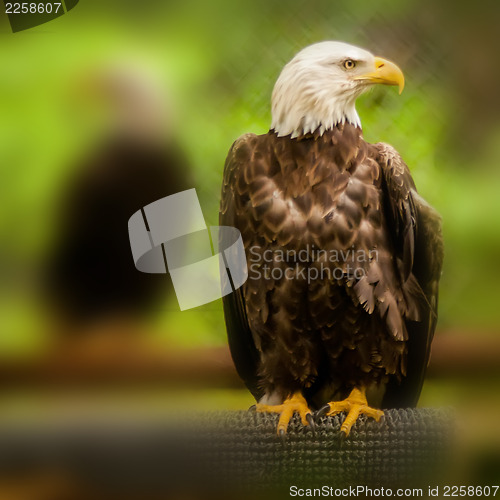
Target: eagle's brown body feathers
x,y
341,283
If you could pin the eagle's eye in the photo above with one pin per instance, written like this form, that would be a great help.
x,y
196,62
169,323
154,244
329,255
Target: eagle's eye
x,y
349,64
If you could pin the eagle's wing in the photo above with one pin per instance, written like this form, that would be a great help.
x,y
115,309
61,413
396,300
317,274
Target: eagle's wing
x,y
234,191
417,237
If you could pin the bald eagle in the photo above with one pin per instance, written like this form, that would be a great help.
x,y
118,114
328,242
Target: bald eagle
x,y
344,257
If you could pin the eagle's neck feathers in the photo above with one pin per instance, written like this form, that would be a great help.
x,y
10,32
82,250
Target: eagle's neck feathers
x,y
302,105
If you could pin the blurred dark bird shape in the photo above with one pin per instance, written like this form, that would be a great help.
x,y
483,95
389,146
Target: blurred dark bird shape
x,y
90,277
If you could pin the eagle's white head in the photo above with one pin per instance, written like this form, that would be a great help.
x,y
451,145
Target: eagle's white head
x,y
318,88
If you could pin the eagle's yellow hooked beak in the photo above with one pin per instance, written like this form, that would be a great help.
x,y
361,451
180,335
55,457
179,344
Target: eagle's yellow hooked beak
x,y
386,72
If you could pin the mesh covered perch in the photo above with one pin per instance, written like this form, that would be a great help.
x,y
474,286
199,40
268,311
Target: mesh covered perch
x,y
234,450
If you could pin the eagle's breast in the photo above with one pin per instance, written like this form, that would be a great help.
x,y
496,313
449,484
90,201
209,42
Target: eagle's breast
x,y
315,192
326,291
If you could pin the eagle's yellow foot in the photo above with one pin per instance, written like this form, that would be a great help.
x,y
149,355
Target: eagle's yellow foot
x,y
295,403
354,405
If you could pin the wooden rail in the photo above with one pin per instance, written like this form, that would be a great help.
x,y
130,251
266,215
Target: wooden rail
x,y
452,355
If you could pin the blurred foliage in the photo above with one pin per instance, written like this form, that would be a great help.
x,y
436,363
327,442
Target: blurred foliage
x,y
218,62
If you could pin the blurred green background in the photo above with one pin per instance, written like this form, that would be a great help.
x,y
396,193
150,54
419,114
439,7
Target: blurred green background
x,y
218,62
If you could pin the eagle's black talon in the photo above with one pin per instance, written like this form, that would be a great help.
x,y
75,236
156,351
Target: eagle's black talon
x,y
311,422
323,411
253,408
342,437
282,435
